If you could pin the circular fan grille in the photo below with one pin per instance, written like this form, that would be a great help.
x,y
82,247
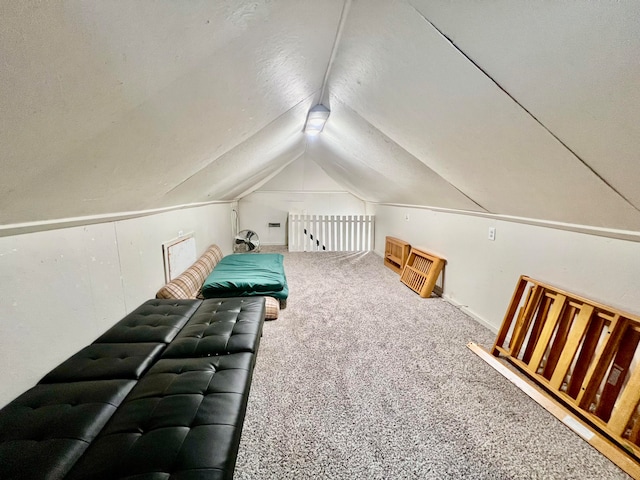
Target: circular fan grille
x,y
246,241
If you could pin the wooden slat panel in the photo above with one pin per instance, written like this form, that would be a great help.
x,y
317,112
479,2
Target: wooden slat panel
x,y
522,326
626,404
598,341
571,347
559,340
536,329
508,317
547,332
338,233
617,374
421,271
601,361
586,356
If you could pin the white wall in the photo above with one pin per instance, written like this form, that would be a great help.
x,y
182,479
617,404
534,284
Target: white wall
x,y
140,250
259,209
481,275
60,289
301,187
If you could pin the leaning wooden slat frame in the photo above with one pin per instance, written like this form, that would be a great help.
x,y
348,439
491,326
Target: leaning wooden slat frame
x,y
592,436
583,353
421,271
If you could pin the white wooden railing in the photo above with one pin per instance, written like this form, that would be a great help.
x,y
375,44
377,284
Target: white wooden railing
x,y
330,233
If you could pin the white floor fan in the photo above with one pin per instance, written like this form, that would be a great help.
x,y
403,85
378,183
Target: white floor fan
x,y
244,241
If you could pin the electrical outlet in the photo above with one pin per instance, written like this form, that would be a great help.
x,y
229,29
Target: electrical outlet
x,y
492,233
180,233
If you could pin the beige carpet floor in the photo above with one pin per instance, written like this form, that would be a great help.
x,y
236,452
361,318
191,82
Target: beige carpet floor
x,y
360,378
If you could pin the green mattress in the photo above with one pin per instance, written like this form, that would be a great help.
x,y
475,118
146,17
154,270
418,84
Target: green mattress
x,y
247,274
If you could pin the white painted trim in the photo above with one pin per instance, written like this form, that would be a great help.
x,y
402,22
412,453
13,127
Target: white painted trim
x,y
183,246
39,226
572,227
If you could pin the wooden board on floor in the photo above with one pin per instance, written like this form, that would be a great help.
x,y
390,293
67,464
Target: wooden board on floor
x,y
588,433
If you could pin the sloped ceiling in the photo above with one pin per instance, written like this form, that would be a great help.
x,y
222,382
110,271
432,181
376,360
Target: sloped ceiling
x,y
116,106
510,107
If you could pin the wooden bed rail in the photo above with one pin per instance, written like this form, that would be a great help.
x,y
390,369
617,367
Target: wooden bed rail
x,y
584,353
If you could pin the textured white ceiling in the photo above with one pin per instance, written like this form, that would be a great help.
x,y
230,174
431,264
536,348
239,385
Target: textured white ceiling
x,y
109,106
533,111
574,65
374,167
401,75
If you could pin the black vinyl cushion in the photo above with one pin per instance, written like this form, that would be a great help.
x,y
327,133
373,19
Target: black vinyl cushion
x,y
104,361
220,326
183,420
45,430
157,320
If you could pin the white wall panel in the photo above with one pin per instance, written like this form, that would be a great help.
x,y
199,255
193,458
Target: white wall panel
x,y
60,289
302,187
258,209
481,274
140,245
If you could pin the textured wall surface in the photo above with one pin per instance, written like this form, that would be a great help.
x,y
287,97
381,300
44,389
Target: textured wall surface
x,y
480,274
62,288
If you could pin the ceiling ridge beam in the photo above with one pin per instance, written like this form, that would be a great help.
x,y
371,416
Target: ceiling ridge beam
x,y
343,19
526,110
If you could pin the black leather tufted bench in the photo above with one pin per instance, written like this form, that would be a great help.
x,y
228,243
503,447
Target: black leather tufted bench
x,y
182,420
219,327
103,361
45,430
170,381
154,321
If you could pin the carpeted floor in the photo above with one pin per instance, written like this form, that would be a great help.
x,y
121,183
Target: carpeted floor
x,y
360,378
